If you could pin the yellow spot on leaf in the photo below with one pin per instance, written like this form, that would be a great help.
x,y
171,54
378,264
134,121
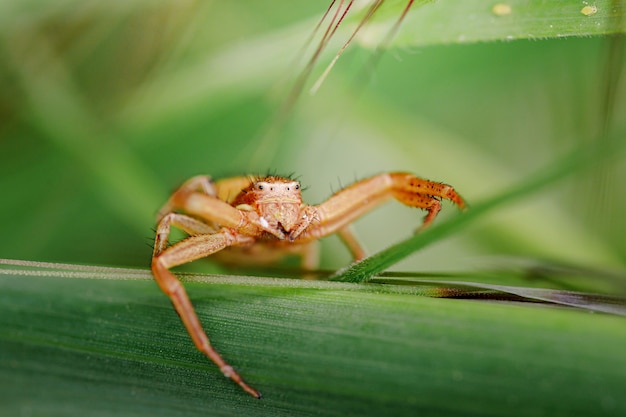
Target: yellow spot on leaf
x,y
589,10
501,9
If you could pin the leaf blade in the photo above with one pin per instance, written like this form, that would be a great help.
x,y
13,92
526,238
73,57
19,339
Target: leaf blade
x,y
116,345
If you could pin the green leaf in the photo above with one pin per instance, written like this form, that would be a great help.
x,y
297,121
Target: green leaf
x,y
450,22
115,346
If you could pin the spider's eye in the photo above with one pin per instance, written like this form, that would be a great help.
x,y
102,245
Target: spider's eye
x,y
297,187
260,186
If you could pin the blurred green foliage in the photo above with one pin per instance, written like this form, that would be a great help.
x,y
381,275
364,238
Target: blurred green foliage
x,y
107,107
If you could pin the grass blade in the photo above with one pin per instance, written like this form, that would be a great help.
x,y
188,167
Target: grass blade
x,y
105,347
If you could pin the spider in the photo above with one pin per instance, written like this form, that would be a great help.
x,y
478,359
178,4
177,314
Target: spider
x,y
261,219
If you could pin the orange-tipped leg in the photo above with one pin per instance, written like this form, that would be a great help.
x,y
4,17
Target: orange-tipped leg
x,y
336,213
417,192
190,249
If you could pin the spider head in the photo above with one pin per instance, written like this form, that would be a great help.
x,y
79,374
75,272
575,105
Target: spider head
x,y
278,201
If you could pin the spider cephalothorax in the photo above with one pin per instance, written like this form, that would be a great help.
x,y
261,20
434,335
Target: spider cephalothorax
x,y
265,217
278,203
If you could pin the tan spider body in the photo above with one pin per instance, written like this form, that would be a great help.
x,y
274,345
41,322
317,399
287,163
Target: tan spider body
x,y
263,218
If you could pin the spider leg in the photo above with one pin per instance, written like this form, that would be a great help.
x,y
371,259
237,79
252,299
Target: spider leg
x,y
187,224
269,254
199,183
350,240
190,249
350,203
310,254
228,188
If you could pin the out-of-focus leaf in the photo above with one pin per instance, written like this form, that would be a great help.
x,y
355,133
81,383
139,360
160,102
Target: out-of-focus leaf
x,y
449,21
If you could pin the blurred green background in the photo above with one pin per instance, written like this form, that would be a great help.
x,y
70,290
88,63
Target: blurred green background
x,y
106,107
